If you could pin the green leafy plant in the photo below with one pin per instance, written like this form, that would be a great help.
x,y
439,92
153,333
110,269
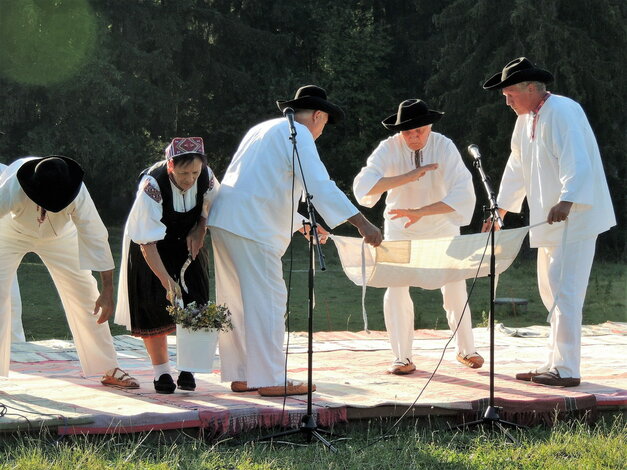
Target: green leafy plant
x,y
201,317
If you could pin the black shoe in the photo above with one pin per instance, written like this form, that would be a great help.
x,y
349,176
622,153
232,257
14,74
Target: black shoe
x,y
186,381
165,384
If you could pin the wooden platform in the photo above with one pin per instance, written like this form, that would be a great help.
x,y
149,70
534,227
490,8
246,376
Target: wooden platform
x,y
45,387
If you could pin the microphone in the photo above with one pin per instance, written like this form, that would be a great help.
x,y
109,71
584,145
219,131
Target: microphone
x,y
473,150
289,114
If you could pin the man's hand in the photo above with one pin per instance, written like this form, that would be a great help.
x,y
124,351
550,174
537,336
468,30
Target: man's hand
x,y
487,223
104,302
559,212
370,233
196,239
323,234
414,215
415,175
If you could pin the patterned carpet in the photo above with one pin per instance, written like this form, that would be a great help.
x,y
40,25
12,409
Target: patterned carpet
x,y
45,387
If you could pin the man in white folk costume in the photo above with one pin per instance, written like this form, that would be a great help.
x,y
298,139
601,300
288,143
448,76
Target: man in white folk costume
x,y
555,163
427,183
252,221
167,223
46,209
17,329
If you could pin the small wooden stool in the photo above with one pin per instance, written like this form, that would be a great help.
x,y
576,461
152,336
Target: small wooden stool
x,y
512,305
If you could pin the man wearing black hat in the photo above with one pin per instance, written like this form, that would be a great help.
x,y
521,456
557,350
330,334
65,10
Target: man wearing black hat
x,y
252,221
427,183
555,163
49,212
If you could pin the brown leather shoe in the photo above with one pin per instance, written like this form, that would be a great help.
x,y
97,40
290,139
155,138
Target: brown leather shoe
x,y
474,360
240,386
554,379
401,368
527,376
292,388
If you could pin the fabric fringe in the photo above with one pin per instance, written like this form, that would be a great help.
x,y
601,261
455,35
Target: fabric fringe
x,y
546,412
225,422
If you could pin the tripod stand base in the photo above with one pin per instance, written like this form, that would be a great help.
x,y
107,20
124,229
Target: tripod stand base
x,y
492,418
308,428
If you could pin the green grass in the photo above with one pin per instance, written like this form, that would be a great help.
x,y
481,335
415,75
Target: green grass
x,y
412,445
338,300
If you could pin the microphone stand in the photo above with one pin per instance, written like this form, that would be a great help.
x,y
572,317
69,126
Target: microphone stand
x,y
491,415
308,424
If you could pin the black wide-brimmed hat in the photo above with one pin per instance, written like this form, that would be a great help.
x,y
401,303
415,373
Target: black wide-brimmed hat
x,y
313,97
51,182
411,114
517,71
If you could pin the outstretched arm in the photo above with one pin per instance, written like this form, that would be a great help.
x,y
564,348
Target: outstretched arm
x,y
370,233
414,215
390,182
154,261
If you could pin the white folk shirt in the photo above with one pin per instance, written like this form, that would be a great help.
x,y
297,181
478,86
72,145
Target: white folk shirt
x,y
451,184
259,195
144,226
561,163
80,215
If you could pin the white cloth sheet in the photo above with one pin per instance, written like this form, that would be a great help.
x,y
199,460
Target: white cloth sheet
x,y
429,264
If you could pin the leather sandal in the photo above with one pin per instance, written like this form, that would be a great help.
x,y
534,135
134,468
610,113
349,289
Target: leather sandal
x,y
401,368
527,376
474,360
554,379
120,379
240,386
291,388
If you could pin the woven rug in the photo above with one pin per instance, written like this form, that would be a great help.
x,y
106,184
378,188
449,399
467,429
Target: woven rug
x,y
45,387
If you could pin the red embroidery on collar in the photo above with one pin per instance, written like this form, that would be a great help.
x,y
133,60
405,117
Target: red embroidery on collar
x,y
535,113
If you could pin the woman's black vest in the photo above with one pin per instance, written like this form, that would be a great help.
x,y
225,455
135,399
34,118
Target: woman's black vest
x,y
178,224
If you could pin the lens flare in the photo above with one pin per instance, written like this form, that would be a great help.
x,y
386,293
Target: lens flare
x,y
43,42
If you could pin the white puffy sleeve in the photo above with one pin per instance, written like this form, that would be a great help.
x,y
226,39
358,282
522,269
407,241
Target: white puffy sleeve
x,y
369,176
144,221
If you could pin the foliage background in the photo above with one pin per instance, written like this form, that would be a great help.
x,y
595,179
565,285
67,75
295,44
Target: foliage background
x,y
110,82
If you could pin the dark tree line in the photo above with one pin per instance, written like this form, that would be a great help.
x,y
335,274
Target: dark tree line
x,y
110,82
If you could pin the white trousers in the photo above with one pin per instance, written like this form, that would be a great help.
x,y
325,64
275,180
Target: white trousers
x,y
563,271
398,311
77,288
17,329
249,280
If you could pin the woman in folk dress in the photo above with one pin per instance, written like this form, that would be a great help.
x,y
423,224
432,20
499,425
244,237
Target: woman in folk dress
x,y
167,223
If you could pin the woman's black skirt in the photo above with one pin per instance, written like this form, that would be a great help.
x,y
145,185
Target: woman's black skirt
x,y
146,295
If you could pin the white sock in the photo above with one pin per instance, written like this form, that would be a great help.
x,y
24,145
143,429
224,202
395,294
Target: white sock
x,y
160,369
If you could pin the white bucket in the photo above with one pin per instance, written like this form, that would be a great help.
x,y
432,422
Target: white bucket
x,y
195,350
